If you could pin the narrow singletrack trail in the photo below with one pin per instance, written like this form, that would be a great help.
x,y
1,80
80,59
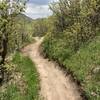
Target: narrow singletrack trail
x,y
54,84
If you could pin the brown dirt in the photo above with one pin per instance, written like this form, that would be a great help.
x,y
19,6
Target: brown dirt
x,y
54,84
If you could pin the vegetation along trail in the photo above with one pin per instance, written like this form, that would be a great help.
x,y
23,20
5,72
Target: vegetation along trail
x,y
54,84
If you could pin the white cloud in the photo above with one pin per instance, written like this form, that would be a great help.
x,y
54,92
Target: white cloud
x,y
37,11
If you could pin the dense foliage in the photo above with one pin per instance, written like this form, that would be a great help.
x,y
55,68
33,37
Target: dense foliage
x,y
74,41
26,84
23,32
12,30
8,11
40,27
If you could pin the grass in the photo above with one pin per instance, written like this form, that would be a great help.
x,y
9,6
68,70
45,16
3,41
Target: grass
x,y
12,93
82,63
30,76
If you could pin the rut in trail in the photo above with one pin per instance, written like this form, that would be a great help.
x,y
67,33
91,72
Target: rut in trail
x,y
54,84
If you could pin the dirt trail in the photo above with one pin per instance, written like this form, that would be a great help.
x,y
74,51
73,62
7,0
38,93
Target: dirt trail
x,y
54,84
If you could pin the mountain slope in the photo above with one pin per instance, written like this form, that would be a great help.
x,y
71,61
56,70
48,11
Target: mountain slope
x,y
24,17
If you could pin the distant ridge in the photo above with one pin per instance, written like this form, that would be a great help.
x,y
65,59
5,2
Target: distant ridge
x,y
24,17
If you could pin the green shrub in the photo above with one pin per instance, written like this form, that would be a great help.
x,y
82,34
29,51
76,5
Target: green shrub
x,y
82,63
31,78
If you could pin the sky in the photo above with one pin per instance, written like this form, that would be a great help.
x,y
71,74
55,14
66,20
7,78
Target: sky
x,y
38,8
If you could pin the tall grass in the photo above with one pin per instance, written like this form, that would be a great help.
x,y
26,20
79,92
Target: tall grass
x,y
30,75
84,64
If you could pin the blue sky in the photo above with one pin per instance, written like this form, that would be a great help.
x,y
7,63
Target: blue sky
x,y
39,2
38,8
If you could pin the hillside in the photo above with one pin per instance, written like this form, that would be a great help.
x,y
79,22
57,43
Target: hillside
x,y
24,17
25,22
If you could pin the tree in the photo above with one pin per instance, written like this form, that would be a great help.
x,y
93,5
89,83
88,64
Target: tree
x,y
40,27
8,10
78,17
